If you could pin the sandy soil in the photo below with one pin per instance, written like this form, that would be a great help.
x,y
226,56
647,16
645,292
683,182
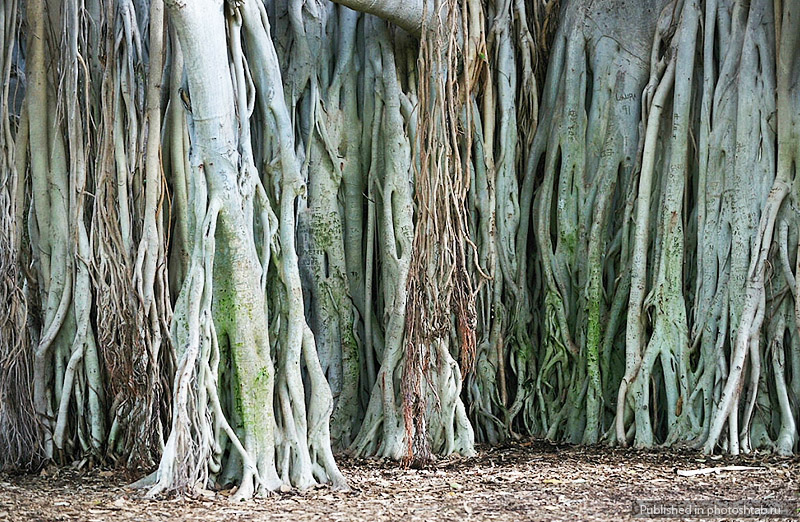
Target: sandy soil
x,y
532,480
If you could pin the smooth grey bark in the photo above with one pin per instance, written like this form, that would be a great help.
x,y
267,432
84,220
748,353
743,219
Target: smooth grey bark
x,y
632,235
408,14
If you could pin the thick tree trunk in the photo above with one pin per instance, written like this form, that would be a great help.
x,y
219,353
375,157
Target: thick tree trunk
x,y
396,229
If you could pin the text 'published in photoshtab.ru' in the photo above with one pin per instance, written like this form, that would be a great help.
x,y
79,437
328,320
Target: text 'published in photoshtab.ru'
x,y
733,509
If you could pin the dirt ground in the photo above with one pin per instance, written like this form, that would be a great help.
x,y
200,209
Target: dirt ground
x,y
531,480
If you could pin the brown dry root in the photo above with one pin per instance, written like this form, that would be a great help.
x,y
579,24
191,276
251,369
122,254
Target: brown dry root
x,y
415,408
354,307
20,435
77,223
66,365
505,41
439,285
355,233
130,278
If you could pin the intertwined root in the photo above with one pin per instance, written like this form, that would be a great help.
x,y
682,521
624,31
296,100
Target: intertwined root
x,y
259,430
394,231
680,223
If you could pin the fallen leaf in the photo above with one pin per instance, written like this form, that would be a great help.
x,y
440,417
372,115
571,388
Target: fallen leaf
x,y
205,493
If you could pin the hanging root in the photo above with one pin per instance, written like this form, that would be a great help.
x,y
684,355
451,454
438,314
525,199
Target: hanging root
x,y
439,284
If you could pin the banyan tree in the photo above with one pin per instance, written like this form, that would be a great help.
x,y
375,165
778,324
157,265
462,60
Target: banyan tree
x,y
239,237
